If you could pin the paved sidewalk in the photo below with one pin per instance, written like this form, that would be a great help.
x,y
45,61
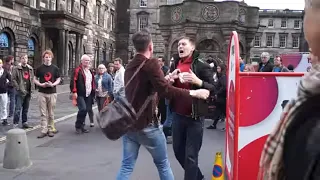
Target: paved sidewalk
x,y
69,156
63,108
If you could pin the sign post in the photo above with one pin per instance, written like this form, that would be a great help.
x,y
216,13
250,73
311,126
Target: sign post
x,y
232,110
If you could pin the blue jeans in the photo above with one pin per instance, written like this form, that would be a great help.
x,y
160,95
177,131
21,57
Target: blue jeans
x,y
22,104
11,95
85,107
152,138
169,118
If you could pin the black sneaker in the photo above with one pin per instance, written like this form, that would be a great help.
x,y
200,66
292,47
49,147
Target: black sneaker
x,y
84,130
212,127
26,126
5,122
78,131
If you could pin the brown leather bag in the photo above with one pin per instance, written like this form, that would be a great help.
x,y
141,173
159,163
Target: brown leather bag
x,y
118,117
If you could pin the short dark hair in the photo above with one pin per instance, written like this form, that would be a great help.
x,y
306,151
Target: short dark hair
x,y
193,42
9,58
141,40
118,59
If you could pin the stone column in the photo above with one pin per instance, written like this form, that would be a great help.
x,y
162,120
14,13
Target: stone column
x,y
42,41
66,54
78,48
61,51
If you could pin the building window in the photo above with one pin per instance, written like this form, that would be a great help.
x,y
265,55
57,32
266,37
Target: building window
x,y
296,24
70,4
170,2
282,41
105,18
295,41
143,3
257,41
5,45
82,11
33,3
53,5
98,14
111,21
7,3
283,23
142,22
31,49
83,6
269,40
270,23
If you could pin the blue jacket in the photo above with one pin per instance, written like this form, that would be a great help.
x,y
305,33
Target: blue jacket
x,y
107,83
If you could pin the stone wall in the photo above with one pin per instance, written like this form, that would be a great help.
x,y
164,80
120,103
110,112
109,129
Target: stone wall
x,y
21,22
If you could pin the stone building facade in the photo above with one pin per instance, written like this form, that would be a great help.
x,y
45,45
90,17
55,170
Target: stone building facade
x,y
169,19
209,23
281,31
69,28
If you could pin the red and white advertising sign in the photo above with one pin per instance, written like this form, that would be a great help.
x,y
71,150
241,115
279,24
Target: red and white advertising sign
x,y
254,104
232,110
299,61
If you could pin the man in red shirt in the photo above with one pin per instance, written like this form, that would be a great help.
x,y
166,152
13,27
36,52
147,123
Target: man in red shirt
x,y
188,114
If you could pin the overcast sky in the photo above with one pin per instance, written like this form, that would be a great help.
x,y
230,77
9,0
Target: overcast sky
x,y
277,4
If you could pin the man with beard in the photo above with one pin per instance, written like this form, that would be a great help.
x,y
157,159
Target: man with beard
x,y
292,150
188,115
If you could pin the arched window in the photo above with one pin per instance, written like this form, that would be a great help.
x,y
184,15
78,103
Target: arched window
x,y
84,50
110,53
31,51
104,53
5,45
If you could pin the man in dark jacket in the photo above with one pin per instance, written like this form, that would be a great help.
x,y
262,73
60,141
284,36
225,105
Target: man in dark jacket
x,y
8,66
148,79
188,116
265,65
82,86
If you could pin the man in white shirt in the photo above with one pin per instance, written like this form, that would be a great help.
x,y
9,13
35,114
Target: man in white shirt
x,y
118,82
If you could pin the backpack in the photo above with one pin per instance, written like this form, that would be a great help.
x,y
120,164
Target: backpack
x,y
118,117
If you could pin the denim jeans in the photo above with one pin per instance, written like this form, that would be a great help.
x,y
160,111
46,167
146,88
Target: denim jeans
x,y
11,95
168,122
167,126
85,107
22,108
187,134
152,138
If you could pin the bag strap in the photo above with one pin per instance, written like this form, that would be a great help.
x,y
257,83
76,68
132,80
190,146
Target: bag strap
x,y
144,105
149,98
135,73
